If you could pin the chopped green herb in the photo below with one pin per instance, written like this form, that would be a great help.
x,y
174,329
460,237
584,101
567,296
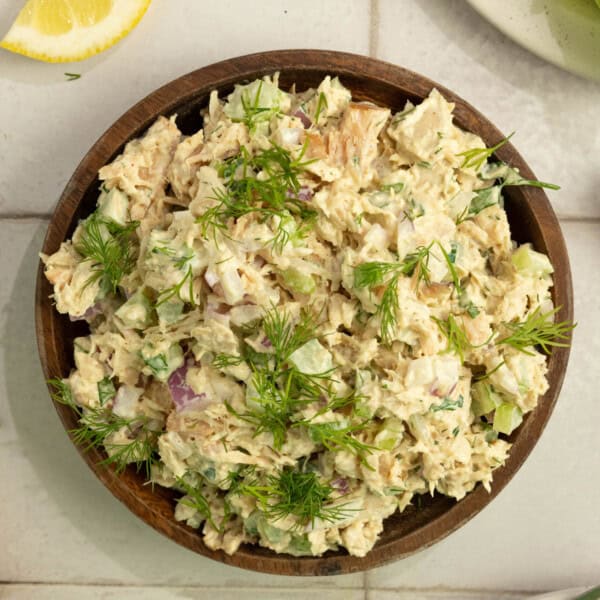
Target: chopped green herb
x,y
393,187
72,76
457,340
196,500
298,494
448,404
108,246
476,157
539,329
273,195
321,104
106,390
374,274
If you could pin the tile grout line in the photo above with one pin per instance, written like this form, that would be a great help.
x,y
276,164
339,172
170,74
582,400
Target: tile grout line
x,y
373,28
438,590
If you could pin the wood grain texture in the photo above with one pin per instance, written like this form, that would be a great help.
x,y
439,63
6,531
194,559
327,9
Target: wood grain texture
x,y
530,215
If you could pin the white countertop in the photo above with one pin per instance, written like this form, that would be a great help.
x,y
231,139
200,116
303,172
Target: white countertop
x,y
62,534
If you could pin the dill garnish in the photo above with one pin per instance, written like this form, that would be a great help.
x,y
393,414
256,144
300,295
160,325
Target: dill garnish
x,y
278,389
265,184
457,340
108,246
374,274
97,424
476,157
538,329
297,494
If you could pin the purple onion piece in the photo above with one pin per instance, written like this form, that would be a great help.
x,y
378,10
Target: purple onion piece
x,y
89,314
183,395
305,194
304,118
341,485
266,342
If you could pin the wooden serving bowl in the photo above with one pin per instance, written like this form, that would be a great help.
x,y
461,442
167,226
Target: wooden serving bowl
x,y
531,218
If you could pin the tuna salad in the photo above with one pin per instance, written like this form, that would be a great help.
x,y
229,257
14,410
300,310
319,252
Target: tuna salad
x,y
305,315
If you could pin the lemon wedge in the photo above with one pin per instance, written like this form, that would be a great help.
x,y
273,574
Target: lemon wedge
x,y
71,30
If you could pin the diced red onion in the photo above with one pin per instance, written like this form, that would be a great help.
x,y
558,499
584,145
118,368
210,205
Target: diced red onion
x,y
433,388
266,342
305,194
183,395
303,117
89,314
341,485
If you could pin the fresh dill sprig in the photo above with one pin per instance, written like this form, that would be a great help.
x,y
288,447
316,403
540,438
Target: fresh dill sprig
x,y
265,184
374,274
490,373
197,501
278,389
476,157
285,336
335,438
457,340
511,176
61,393
252,111
298,494
175,290
538,329
321,104
450,262
97,424
108,246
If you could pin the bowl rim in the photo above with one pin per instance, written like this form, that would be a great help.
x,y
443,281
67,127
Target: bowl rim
x,y
185,90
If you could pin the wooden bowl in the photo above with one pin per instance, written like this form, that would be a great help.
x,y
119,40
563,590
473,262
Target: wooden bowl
x,y
531,218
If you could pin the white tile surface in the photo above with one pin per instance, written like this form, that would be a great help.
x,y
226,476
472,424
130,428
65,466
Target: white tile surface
x,y
442,595
57,522
48,123
78,592
543,531
554,113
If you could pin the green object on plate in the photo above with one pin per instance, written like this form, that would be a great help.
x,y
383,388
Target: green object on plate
x,y
564,32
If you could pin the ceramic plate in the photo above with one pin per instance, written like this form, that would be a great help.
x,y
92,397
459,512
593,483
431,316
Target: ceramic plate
x,y
564,32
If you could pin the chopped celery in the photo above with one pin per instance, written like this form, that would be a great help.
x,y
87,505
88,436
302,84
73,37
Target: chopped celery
x,y
270,533
114,204
251,523
136,312
507,418
161,365
312,358
170,311
390,434
484,399
529,262
299,546
297,281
